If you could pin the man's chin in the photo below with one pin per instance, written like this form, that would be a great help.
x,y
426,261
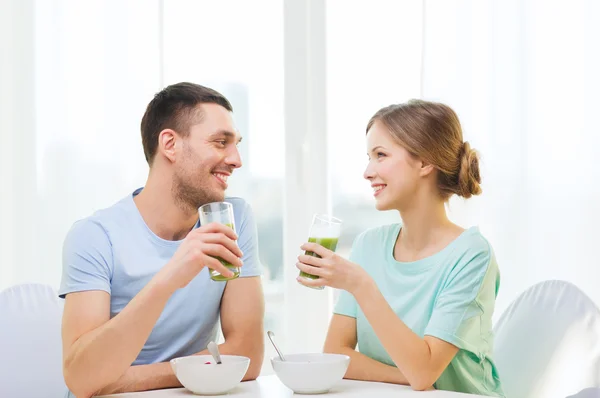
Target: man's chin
x,y
216,196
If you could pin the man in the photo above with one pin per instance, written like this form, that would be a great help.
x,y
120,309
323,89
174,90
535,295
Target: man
x,y
135,280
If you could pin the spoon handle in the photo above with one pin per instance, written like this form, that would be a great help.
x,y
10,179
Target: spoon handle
x,y
271,337
214,351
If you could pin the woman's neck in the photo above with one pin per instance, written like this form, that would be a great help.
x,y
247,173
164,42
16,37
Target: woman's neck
x,y
426,230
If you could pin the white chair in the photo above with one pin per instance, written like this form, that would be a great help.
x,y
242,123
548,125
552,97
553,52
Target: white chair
x,y
591,392
30,343
547,343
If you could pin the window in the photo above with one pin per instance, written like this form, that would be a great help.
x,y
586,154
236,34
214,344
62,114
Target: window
x,y
373,60
200,45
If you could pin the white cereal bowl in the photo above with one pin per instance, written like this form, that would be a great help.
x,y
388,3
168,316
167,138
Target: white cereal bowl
x,y
210,379
310,373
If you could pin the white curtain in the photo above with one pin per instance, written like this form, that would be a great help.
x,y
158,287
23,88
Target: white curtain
x,y
523,77
75,83
17,164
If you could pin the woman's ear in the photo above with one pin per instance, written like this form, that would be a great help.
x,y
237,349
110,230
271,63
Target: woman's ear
x,y
426,168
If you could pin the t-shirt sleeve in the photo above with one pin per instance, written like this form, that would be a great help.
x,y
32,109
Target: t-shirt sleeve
x,y
248,241
346,303
465,301
86,259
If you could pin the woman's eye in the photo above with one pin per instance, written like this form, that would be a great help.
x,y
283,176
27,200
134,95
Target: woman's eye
x,y
380,154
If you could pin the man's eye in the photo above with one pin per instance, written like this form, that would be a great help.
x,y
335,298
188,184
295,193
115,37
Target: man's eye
x,y
222,142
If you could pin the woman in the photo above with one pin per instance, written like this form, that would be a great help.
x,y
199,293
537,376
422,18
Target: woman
x,y
417,297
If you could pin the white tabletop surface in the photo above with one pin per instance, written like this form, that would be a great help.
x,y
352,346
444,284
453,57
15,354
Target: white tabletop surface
x,y
271,387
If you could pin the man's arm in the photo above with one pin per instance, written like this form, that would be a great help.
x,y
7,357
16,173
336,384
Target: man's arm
x,y
143,378
242,313
96,349
341,339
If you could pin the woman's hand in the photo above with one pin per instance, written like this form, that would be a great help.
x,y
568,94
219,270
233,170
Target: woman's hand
x,y
332,270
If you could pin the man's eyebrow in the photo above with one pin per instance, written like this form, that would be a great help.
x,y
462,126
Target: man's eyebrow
x,y
228,134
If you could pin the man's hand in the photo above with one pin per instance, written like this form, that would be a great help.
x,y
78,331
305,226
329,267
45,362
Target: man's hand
x,y
199,249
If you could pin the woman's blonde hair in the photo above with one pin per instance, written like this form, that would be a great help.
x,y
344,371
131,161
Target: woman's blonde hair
x,y
431,131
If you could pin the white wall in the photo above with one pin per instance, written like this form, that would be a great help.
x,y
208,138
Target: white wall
x,y
18,213
526,90
76,76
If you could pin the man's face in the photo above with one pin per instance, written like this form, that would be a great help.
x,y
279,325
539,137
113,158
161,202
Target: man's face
x,y
207,158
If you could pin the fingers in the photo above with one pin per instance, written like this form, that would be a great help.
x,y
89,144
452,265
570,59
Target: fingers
x,y
312,282
310,269
223,240
311,260
218,250
316,248
215,264
215,227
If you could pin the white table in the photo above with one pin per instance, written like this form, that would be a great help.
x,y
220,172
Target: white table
x,y
271,387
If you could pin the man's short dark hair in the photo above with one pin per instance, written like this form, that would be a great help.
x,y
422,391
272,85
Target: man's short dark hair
x,y
176,108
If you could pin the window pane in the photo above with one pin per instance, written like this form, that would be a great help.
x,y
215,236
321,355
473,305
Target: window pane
x,y
370,64
205,42
94,73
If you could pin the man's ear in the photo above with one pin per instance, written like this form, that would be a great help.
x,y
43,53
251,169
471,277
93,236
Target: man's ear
x,y
168,144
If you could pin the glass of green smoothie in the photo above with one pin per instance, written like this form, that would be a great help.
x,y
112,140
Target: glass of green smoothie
x,y
325,230
221,212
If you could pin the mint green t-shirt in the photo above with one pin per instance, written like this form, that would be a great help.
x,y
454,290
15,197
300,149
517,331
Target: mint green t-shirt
x,y
449,295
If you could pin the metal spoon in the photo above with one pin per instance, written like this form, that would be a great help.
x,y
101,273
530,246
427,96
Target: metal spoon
x,y
272,338
214,351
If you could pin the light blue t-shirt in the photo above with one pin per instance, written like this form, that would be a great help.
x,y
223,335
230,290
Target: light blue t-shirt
x,y
449,295
114,250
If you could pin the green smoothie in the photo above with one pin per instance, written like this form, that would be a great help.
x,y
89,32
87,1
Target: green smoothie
x,y
216,276
328,243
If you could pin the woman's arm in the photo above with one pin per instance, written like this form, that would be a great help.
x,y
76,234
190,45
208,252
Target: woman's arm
x,y
421,360
341,339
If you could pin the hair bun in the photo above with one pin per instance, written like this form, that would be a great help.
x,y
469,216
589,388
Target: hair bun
x,y
468,175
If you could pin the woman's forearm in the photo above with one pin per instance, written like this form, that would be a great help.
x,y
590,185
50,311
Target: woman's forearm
x,y
410,352
364,368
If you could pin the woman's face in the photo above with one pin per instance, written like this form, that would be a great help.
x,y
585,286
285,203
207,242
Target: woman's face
x,y
393,172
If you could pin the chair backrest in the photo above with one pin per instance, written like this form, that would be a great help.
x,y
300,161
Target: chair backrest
x,y
591,392
547,343
30,342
